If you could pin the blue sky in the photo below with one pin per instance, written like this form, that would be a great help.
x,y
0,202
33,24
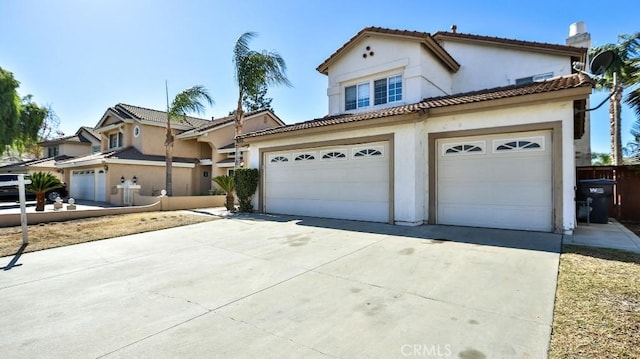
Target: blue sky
x,y
85,56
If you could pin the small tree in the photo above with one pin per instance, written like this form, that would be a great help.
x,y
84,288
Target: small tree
x,y
246,182
226,183
41,183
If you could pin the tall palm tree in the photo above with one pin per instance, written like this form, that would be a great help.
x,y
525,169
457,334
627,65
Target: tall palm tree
x,y
187,101
254,70
626,67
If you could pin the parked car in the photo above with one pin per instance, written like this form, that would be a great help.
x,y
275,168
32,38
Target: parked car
x,y
10,193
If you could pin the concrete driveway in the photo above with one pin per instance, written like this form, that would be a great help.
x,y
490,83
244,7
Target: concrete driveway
x,y
281,287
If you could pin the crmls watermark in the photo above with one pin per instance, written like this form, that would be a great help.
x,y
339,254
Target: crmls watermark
x,y
426,350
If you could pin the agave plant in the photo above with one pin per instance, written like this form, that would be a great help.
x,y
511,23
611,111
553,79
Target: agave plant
x,y
41,182
226,184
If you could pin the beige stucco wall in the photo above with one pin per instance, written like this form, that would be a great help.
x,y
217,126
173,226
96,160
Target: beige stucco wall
x,y
74,149
224,135
151,180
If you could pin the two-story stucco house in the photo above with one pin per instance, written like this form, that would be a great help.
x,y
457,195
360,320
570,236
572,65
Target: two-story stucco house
x,y
132,149
83,142
443,128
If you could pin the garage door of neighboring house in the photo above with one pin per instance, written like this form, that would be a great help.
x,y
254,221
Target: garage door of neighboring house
x,y
496,181
89,185
83,184
346,182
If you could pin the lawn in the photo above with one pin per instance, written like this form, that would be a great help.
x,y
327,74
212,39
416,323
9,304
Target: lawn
x,y
597,309
58,234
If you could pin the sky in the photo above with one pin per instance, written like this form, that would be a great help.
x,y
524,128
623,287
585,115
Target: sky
x,y
82,57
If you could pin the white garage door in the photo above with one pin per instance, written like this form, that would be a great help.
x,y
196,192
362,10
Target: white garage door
x,y
347,182
496,181
83,185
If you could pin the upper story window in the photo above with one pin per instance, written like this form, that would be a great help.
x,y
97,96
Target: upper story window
x,y
52,151
357,96
534,78
385,90
95,149
115,140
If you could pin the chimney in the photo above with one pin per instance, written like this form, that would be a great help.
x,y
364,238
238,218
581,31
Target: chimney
x,y
454,28
578,35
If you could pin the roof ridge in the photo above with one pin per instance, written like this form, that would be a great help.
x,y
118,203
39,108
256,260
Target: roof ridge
x,y
151,109
505,39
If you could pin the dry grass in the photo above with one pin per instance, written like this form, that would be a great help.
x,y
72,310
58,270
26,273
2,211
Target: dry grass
x,y
58,234
597,309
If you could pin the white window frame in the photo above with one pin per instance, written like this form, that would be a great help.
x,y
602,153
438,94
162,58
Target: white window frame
x,y
119,138
386,99
371,99
358,95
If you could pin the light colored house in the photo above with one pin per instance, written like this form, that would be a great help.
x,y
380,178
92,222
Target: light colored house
x,y
446,128
83,142
132,149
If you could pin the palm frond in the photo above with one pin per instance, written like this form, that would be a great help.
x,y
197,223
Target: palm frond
x,y
225,183
42,182
189,101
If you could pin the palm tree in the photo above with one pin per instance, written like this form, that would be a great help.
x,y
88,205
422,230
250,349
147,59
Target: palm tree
x,y
189,100
254,70
226,184
41,183
626,68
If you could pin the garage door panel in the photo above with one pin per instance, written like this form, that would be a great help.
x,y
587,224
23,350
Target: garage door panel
x,y
351,187
355,210
498,188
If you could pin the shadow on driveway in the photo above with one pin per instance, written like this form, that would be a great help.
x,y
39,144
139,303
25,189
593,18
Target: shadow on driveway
x,y
536,241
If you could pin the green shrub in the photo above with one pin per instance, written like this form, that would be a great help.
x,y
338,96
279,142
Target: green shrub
x,y
246,183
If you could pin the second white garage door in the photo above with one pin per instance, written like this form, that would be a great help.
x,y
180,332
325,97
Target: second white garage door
x,y
346,182
497,181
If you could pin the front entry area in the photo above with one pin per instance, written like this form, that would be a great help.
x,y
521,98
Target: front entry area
x,y
496,181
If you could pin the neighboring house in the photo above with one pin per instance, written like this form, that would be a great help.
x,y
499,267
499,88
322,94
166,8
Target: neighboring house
x,y
132,147
83,142
446,128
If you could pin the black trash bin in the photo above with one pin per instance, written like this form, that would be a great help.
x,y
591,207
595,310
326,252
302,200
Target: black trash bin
x,y
600,191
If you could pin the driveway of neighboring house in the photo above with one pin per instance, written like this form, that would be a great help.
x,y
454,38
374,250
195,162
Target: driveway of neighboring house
x,y
283,287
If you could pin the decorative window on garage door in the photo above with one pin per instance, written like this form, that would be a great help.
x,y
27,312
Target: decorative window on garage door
x,y
376,151
279,159
305,157
468,148
519,145
334,154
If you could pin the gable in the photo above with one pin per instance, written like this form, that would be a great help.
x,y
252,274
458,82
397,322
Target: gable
x,y
422,38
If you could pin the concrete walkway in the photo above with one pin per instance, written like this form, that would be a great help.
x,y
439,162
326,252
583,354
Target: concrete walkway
x,y
282,287
611,235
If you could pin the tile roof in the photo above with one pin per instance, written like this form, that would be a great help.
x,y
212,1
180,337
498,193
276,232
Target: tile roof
x,y
127,153
141,113
78,137
131,153
221,121
444,35
41,162
554,84
90,130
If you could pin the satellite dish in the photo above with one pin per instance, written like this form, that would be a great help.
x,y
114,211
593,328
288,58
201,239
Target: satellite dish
x,y
601,62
